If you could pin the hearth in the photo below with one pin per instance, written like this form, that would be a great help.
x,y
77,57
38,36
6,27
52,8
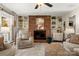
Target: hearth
x,y
39,35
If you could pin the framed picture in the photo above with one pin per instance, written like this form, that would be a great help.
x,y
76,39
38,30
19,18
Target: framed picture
x,y
40,23
4,22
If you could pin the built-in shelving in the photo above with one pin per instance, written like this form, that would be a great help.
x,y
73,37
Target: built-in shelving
x,y
22,22
57,28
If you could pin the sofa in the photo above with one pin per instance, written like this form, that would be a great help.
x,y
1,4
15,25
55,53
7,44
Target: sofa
x,y
9,50
72,45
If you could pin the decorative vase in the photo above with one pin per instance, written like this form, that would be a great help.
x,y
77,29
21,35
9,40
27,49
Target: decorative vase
x,y
49,39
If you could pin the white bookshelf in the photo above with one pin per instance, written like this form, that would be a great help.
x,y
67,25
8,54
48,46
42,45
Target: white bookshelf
x,y
57,28
23,23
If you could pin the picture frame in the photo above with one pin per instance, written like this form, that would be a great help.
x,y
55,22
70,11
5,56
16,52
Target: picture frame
x,y
40,23
4,22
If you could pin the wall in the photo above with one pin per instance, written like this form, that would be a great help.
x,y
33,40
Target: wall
x,y
12,16
72,13
7,30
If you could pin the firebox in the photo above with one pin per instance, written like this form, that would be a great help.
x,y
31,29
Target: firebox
x,y
39,34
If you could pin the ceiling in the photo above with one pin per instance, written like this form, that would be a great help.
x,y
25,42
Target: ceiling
x,y
24,9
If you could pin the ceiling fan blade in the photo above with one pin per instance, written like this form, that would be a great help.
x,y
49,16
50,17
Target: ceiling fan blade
x,y
48,4
36,6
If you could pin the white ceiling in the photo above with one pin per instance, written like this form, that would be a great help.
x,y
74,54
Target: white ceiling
x,y
25,9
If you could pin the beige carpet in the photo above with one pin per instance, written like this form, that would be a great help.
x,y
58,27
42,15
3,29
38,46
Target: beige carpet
x,y
36,50
43,49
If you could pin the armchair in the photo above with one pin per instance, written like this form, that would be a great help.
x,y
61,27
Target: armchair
x,y
24,41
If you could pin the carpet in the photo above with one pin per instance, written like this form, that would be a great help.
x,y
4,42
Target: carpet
x,y
36,50
43,49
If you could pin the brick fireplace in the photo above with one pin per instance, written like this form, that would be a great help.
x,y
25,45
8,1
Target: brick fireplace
x,y
33,27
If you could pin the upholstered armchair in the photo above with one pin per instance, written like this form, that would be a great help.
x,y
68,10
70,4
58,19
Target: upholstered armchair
x,y
24,40
25,43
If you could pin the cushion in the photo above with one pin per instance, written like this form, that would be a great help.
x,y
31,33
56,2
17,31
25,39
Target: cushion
x,y
9,51
74,39
24,36
69,46
67,40
2,47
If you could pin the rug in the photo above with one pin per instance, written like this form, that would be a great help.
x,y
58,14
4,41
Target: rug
x,y
36,50
43,49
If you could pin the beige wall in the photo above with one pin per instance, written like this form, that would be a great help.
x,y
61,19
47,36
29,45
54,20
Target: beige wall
x,y
72,13
7,11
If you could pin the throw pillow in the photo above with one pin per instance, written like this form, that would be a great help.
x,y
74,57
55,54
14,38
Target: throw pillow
x,y
74,39
2,47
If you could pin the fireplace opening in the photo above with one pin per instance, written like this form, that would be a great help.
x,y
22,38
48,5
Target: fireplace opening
x,y
40,35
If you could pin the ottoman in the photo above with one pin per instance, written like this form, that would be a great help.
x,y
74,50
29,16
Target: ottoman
x,y
55,49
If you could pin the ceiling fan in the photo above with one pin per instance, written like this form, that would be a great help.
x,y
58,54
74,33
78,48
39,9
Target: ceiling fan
x,y
47,4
